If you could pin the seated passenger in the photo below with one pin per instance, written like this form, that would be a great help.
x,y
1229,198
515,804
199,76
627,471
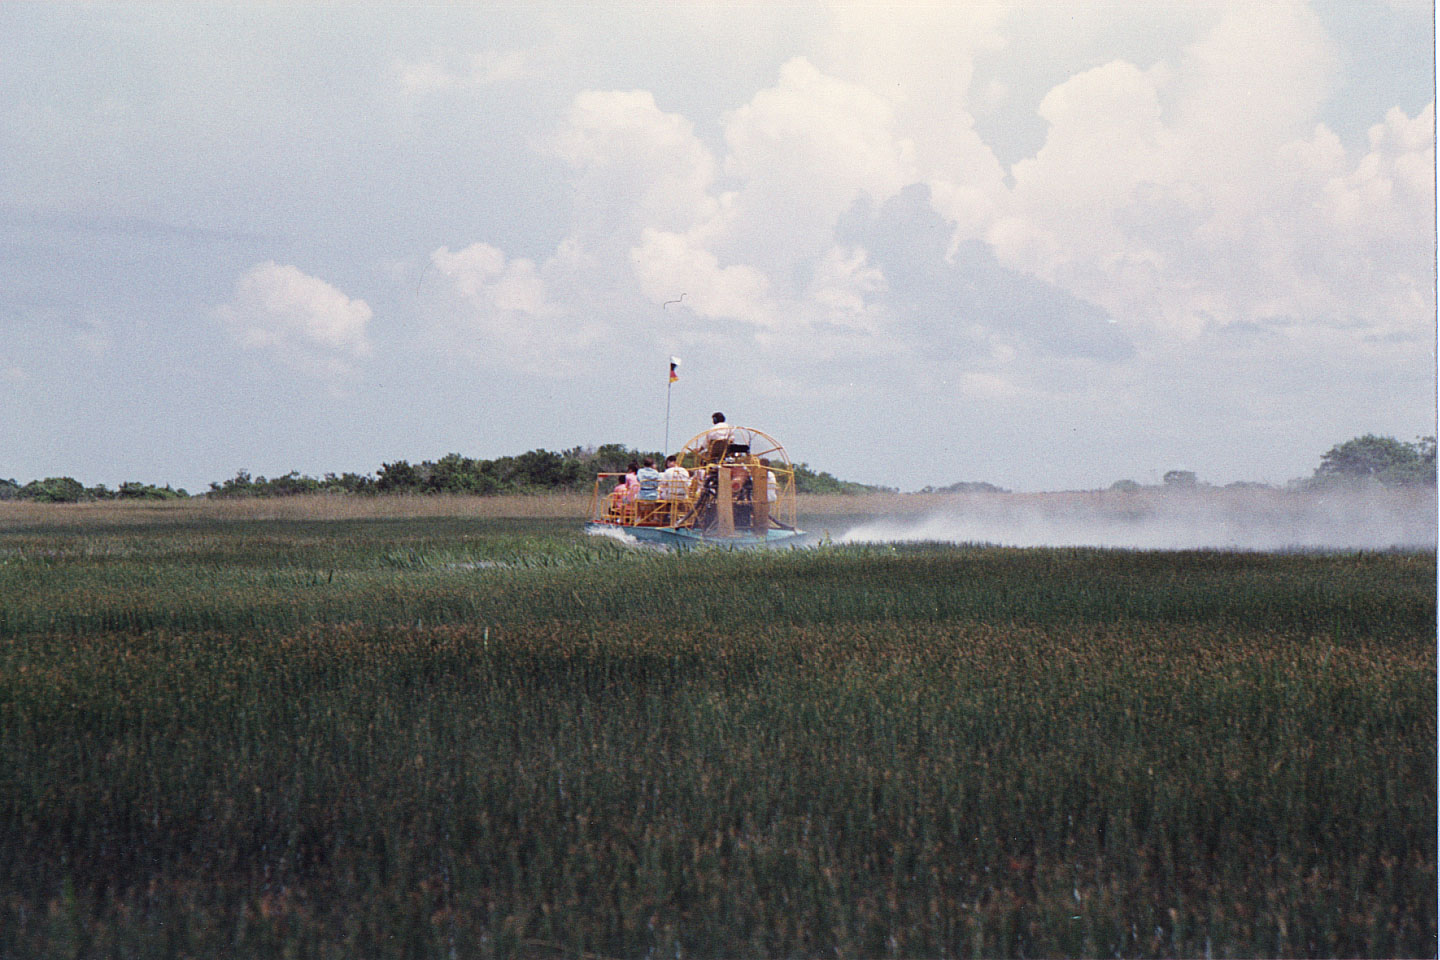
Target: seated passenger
x,y
632,482
648,481
772,486
675,482
617,497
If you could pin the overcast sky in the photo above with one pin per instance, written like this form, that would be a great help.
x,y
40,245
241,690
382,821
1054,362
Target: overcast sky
x,y
1048,245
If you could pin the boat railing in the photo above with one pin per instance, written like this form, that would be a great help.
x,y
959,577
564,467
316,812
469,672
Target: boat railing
x,y
613,506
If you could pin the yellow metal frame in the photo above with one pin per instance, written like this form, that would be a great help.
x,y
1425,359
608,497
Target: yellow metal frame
x,y
606,508
701,456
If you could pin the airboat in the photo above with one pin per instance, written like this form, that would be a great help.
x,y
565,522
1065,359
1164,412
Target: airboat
x,y
737,490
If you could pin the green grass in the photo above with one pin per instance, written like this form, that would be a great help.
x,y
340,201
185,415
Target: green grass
x,y
461,736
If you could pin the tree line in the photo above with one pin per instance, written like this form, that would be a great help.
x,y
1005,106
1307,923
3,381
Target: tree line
x,y
1370,459
70,490
535,471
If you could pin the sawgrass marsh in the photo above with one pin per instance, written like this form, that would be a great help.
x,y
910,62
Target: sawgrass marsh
x,y
463,728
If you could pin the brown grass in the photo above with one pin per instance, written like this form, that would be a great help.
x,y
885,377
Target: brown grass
x,y
19,515
22,514
16,515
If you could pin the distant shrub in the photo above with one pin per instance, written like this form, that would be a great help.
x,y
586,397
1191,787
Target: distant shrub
x,y
131,490
813,481
54,490
243,485
1381,459
966,486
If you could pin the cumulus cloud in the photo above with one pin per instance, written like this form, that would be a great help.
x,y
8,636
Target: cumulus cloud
x,y
1391,190
483,274
667,262
847,287
636,167
922,65
1203,193
495,309
798,155
801,153
749,238
301,320
1170,200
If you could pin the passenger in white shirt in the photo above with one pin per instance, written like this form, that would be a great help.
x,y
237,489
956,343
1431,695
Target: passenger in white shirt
x,y
675,482
772,486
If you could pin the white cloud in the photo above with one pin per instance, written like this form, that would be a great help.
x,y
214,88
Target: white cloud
x,y
922,64
1183,197
498,310
845,288
636,167
483,274
1203,193
1391,191
802,152
668,264
302,320
799,155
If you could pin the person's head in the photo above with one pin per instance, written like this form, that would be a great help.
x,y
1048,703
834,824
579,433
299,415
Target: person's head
x,y
633,467
764,461
670,460
650,462
717,417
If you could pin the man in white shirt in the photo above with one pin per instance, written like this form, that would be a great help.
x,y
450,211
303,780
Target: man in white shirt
x,y
675,482
720,430
718,436
724,437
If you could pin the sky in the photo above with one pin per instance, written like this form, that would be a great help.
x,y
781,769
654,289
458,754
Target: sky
x,y
1047,245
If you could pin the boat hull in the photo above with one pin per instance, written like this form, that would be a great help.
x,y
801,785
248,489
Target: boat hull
x,y
684,537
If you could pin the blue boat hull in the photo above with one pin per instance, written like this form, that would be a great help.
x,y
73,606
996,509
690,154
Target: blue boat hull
x,y
685,537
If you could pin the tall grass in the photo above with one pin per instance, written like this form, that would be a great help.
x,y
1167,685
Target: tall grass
x,y
459,736
319,507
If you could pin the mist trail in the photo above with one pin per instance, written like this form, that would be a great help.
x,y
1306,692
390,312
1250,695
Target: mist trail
x,y
1260,520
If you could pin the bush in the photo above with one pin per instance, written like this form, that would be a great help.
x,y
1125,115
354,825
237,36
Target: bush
x,y
966,486
132,490
811,481
54,490
1382,459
